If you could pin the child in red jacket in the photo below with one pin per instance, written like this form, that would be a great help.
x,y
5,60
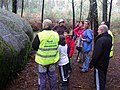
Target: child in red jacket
x,y
70,44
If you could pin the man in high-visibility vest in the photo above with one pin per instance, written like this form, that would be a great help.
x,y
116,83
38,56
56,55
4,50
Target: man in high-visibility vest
x,y
111,34
46,44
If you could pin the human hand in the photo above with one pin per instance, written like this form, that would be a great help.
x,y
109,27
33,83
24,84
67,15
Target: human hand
x,y
83,39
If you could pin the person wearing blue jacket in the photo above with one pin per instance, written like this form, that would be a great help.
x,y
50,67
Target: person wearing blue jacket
x,y
87,45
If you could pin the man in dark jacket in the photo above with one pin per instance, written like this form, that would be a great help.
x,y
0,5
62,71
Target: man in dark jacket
x,y
100,57
61,27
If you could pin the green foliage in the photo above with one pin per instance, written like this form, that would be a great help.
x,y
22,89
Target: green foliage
x,y
115,26
55,9
115,22
54,14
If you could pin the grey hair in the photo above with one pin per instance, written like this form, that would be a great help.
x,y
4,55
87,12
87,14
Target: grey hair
x,y
47,23
104,28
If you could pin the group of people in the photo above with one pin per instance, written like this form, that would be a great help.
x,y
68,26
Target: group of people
x,y
55,46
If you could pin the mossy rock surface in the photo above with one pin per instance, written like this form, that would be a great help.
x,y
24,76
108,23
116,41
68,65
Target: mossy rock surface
x,y
15,43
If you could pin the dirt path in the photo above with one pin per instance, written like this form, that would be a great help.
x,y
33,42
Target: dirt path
x,y
27,79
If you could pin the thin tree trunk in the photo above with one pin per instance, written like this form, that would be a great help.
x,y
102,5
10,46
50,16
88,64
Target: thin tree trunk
x,y
22,8
109,20
81,9
73,8
42,15
90,13
93,16
104,16
14,6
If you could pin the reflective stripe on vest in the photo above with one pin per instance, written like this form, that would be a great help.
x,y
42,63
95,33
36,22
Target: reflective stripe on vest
x,y
47,52
46,49
47,56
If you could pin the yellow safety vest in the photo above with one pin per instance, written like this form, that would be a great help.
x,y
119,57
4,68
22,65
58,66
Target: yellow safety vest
x,y
47,52
111,51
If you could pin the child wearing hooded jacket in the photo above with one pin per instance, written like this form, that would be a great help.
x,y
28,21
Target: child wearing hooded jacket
x,y
63,63
70,43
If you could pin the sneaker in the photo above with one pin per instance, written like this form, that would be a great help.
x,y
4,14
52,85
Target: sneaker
x,y
69,71
78,61
84,71
80,67
65,88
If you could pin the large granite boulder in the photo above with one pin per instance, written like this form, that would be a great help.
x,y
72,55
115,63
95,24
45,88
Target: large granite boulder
x,y
15,44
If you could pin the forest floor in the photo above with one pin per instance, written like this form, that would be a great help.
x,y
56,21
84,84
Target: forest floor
x,y
27,79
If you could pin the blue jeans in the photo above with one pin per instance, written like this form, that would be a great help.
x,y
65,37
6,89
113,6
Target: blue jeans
x,y
85,65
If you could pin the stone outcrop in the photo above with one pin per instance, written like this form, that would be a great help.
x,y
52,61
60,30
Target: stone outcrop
x,y
15,44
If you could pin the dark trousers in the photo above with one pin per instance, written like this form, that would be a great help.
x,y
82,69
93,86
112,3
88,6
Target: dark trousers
x,y
100,79
69,65
63,70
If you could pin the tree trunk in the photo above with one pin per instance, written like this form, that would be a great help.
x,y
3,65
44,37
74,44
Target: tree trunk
x,y
109,20
73,8
90,16
93,16
81,9
42,15
104,16
22,8
14,6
